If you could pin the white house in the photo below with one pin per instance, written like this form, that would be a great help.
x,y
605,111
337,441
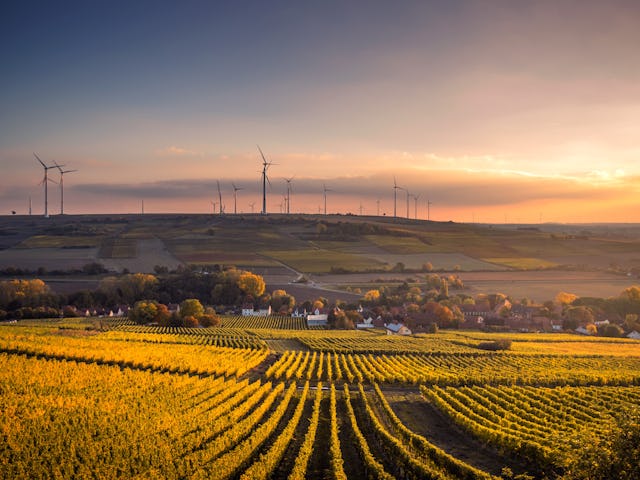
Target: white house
x,y
249,311
366,323
317,319
583,331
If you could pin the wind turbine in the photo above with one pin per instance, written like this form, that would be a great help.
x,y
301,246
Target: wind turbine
x,y
288,180
415,206
213,205
429,203
395,196
324,192
265,179
378,207
252,205
46,181
62,172
235,197
220,198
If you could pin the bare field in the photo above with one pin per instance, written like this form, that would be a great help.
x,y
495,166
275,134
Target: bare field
x,y
49,258
150,253
537,285
444,261
544,285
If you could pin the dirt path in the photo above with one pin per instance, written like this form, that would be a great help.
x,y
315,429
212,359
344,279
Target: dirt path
x,y
424,419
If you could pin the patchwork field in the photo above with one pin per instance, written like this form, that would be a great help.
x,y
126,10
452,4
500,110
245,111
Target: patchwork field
x,y
534,262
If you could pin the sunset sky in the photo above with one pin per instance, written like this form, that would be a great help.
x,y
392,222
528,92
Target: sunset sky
x,y
495,111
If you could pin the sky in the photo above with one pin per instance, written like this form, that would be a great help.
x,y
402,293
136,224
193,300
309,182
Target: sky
x,y
487,111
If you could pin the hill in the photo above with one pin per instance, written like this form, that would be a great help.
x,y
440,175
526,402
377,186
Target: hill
x,y
333,251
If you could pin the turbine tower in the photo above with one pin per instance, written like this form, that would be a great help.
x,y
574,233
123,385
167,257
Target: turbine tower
x,y
265,179
429,203
324,192
62,172
46,181
220,198
235,197
288,180
415,206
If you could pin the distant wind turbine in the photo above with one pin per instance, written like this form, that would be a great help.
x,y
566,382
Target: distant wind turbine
x,y
235,197
46,181
324,192
265,179
62,172
415,206
288,180
220,198
429,203
252,205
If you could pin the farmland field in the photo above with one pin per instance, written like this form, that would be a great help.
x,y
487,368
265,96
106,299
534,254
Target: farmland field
x,y
534,262
260,398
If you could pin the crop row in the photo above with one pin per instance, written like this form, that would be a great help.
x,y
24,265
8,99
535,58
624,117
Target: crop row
x,y
183,358
457,369
536,423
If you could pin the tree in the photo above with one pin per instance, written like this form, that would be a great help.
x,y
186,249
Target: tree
x,y
191,308
564,298
612,455
611,330
251,284
427,267
631,293
144,311
579,315
372,296
209,318
128,288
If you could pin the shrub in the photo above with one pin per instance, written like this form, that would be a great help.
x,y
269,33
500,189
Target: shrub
x,y
494,346
190,321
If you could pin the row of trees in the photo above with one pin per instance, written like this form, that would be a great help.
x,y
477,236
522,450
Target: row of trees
x,y
190,313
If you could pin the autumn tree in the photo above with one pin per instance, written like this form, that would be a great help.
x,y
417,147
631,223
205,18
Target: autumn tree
x,y
128,288
23,293
148,311
372,296
564,298
191,308
209,318
251,284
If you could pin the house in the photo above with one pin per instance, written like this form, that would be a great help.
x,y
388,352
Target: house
x,y
248,310
397,329
634,335
582,331
366,323
317,319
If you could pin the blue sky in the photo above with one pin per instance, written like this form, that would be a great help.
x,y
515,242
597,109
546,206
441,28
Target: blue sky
x,y
534,102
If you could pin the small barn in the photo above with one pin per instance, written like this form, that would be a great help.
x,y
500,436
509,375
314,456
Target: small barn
x,y
397,329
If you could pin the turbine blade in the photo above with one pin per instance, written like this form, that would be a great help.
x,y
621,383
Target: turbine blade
x,y
41,162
